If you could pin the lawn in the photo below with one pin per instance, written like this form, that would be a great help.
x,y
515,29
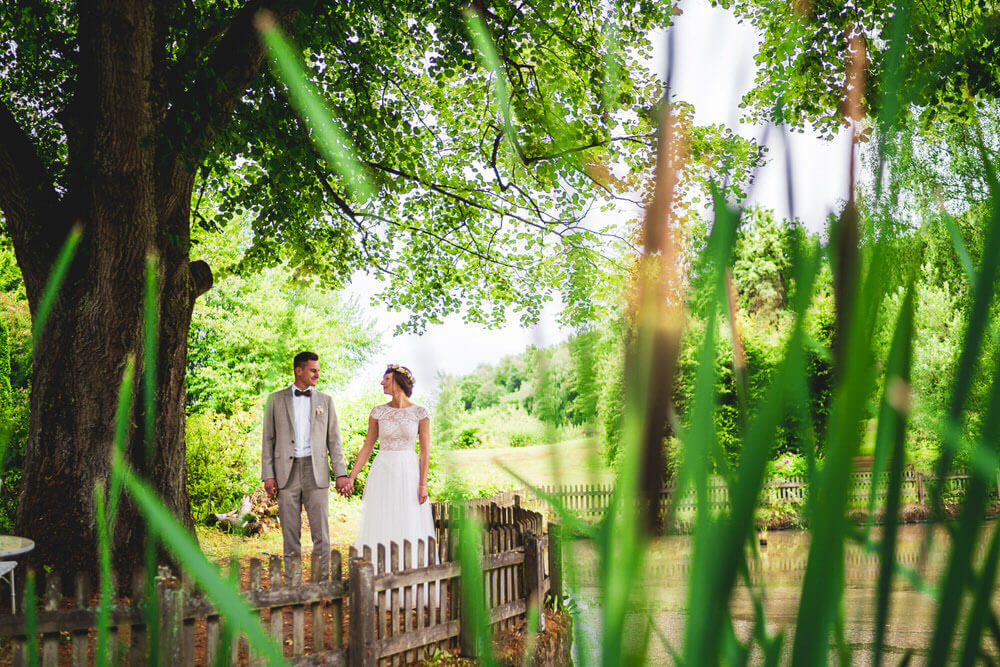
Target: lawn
x,y
220,546
576,461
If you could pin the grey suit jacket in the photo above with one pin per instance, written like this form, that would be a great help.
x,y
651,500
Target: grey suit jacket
x,y
278,449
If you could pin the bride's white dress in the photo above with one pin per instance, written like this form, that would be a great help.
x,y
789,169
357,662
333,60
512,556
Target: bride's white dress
x,y
390,510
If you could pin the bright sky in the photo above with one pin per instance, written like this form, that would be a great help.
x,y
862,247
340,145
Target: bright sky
x,y
714,68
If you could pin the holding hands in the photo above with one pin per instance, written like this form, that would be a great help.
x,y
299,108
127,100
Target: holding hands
x,y
345,485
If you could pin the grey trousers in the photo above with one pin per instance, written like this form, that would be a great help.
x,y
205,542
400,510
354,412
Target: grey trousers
x,y
301,491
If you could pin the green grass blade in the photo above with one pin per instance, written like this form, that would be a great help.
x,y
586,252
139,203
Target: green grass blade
x,y
152,609
470,539
54,284
719,549
123,424
227,599
891,437
983,592
488,57
332,142
965,536
964,258
31,617
103,651
854,375
979,318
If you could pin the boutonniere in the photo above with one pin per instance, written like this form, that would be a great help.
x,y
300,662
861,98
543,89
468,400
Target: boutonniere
x,y
319,411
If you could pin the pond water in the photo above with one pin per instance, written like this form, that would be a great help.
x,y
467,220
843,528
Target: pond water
x,y
779,572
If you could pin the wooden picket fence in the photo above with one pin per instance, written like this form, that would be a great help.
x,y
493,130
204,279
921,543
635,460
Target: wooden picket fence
x,y
401,603
591,500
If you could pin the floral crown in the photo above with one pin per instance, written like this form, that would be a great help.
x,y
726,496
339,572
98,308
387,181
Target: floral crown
x,y
402,370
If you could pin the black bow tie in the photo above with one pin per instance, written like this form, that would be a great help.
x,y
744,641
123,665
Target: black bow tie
x,y
307,392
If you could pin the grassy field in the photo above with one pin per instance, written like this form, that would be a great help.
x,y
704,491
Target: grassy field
x,y
575,461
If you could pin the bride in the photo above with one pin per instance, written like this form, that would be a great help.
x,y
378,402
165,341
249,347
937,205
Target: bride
x,y
394,505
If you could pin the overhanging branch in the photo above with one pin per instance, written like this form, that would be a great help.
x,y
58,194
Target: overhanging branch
x,y
28,198
197,118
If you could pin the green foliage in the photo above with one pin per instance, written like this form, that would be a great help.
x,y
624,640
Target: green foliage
x,y
15,383
467,439
947,58
537,390
520,440
223,460
789,464
352,413
246,329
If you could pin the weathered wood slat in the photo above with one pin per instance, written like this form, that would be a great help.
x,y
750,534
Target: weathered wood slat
x,y
421,588
394,592
331,657
81,597
416,639
137,647
276,588
211,639
298,629
51,597
187,644
256,584
337,605
361,652
508,610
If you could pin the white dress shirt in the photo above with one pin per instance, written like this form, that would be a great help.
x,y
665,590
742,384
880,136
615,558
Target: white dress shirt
x,y
301,406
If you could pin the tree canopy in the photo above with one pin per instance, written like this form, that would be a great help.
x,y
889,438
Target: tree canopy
x,y
947,53
462,216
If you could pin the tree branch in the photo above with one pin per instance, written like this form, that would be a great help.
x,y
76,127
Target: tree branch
x,y
193,122
28,200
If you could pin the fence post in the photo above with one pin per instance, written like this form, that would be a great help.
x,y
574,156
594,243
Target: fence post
x,y
170,640
361,650
534,576
555,564
921,492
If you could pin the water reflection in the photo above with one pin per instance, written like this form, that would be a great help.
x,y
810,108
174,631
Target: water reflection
x,y
777,574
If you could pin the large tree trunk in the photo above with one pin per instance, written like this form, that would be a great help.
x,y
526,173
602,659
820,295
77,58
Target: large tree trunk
x,y
136,131
79,364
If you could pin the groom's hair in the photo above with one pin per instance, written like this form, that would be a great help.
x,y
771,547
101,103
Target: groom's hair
x,y
302,357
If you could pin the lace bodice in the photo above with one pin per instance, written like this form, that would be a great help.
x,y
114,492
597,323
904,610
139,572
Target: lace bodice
x,y
397,427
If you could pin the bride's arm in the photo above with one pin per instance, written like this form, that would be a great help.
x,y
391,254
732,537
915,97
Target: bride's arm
x,y
424,429
366,449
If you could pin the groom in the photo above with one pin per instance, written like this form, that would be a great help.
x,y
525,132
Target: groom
x,y
300,429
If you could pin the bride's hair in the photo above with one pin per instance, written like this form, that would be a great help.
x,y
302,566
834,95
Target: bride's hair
x,y
402,376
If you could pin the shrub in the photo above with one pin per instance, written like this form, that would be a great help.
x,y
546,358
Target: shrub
x,y
223,460
467,439
791,464
520,440
455,487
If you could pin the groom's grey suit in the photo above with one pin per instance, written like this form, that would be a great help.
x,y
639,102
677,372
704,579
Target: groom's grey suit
x,y
303,481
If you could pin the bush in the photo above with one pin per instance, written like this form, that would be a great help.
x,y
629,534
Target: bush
x,y
467,439
520,440
223,460
352,414
455,487
790,464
